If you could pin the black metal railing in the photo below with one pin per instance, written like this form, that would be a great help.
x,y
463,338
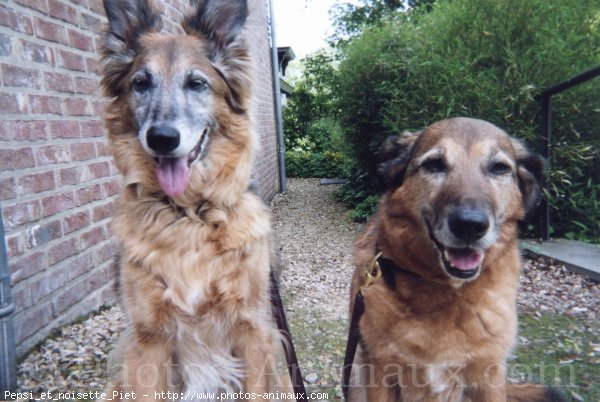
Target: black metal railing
x,y
545,101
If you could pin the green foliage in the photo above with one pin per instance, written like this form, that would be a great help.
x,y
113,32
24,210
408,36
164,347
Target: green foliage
x,y
484,59
314,140
300,163
322,152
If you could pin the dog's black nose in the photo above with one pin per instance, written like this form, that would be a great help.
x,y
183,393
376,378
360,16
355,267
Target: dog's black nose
x,y
162,138
468,225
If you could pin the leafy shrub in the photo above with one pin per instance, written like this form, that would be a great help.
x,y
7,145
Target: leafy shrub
x,y
323,152
300,163
484,59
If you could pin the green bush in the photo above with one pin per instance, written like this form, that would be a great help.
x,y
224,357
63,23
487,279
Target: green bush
x,y
484,59
299,163
323,152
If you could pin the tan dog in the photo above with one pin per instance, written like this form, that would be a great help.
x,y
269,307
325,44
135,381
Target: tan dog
x,y
195,243
441,323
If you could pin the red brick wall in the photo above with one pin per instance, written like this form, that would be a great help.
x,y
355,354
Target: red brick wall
x,y
58,183
266,170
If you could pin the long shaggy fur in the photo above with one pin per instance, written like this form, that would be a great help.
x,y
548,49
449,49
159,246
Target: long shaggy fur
x,y
195,267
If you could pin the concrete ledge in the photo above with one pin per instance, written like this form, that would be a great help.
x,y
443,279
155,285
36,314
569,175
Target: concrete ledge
x,y
578,257
326,182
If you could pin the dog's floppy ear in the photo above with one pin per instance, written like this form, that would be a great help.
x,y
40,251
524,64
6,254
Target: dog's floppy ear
x,y
221,23
394,156
127,21
530,173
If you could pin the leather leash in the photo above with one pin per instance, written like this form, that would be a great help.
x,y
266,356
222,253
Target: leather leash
x,y
372,273
288,345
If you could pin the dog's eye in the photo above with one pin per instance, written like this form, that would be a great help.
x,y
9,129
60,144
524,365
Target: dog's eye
x,y
196,84
499,168
141,84
435,165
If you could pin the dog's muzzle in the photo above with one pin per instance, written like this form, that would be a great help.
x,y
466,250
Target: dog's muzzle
x,y
172,171
460,241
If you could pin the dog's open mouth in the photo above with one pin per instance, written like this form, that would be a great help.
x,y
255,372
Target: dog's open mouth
x,y
463,263
173,174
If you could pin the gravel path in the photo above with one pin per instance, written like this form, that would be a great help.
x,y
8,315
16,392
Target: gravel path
x,y
315,238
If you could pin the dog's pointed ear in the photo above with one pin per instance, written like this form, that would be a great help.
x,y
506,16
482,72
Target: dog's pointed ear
x,y
394,156
530,174
220,21
127,21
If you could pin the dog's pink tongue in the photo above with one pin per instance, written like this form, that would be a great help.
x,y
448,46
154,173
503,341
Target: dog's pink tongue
x,y
173,175
464,259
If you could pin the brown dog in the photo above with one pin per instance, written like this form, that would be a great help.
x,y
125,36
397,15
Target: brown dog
x,y
195,243
441,322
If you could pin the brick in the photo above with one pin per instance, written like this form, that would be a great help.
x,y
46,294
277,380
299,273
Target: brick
x,y
62,11
70,60
36,183
103,211
87,86
22,296
93,237
89,194
92,65
106,252
70,296
83,151
70,176
12,104
14,159
15,20
98,170
91,23
59,82
42,104
50,31
76,221
96,6
63,250
14,245
6,45
38,235
111,188
75,106
16,76
64,129
47,283
8,188
31,321
29,130
26,267
18,214
5,131
36,53
94,128
98,278
53,154
99,108
81,41
79,266
39,5
57,203
83,3
102,149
